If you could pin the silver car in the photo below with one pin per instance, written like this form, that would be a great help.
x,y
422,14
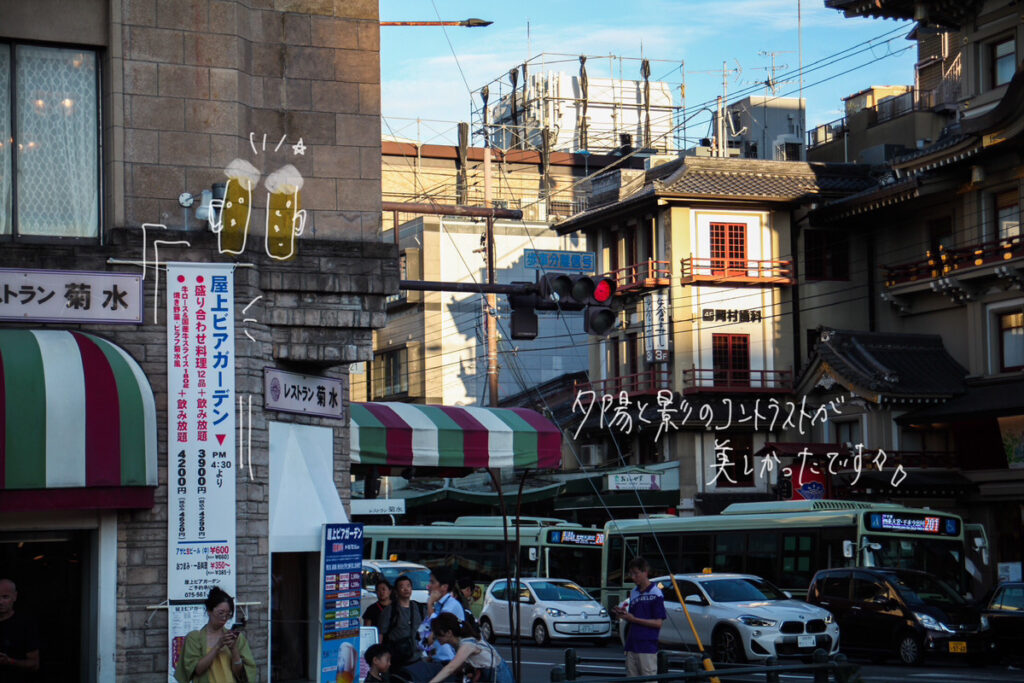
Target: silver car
x,y
390,570
742,617
549,609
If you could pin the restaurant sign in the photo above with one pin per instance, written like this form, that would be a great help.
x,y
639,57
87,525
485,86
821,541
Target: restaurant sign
x,y
70,296
291,392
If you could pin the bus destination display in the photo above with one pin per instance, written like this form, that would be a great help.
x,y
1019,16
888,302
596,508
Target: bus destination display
x,y
591,538
905,522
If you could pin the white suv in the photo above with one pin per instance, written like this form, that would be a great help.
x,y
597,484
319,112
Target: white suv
x,y
742,617
374,570
549,609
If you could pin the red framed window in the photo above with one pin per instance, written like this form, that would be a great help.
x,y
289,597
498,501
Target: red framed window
x,y
730,356
728,248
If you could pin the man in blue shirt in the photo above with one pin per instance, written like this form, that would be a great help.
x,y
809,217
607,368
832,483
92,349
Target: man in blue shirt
x,y
644,617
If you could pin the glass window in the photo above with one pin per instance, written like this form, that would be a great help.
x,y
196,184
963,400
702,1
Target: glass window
x,y
1008,599
866,590
390,373
762,549
730,358
1004,61
696,553
728,249
741,590
1011,341
582,565
52,166
847,432
558,591
1007,214
615,560
729,552
836,585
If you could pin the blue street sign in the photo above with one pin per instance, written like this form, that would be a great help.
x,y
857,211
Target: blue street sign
x,y
549,259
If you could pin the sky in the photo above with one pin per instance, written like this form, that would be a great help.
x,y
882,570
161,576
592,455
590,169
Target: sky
x,y
420,77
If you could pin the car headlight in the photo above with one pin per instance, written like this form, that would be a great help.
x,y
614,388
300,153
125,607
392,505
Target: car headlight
x,y
760,622
604,613
931,623
828,618
984,623
554,612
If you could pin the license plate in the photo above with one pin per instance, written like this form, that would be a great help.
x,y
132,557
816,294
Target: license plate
x,y
805,641
957,646
590,628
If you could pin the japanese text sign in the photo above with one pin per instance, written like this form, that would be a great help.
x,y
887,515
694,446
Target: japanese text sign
x,y
656,326
201,441
549,259
341,592
290,392
70,296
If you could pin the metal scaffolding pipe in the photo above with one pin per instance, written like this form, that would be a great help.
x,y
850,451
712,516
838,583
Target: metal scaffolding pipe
x,y
452,210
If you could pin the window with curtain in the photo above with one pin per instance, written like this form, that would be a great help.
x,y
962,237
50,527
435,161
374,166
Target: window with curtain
x,y
49,174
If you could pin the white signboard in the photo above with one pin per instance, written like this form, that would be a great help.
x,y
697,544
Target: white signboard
x,y
378,506
200,442
70,296
634,481
656,326
290,392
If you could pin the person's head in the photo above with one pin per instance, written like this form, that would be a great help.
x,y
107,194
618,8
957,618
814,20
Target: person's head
x,y
8,596
220,607
383,590
466,587
378,657
446,628
441,583
403,587
638,571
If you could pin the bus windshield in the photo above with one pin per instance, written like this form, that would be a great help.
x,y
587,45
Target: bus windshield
x,y
942,558
741,590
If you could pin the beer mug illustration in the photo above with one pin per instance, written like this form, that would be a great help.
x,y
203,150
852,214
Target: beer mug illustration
x,y
230,216
285,219
348,663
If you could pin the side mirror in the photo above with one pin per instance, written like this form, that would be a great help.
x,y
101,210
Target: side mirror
x,y
849,549
693,599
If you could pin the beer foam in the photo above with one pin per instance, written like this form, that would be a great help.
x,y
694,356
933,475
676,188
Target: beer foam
x,y
240,169
285,180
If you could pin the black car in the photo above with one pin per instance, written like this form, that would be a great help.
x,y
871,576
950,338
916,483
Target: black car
x,y
1005,613
909,614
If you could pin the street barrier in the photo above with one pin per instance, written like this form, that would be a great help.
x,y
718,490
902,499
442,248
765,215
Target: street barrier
x,y
687,667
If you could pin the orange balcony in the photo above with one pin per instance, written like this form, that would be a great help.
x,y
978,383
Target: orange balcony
x,y
647,382
727,272
948,261
703,380
642,277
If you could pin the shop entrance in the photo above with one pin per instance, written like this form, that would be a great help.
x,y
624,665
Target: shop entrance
x,y
294,599
51,570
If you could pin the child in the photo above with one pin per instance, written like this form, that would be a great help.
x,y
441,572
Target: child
x,y
379,659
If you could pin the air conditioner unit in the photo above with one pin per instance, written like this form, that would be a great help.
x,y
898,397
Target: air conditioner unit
x,y
534,209
591,455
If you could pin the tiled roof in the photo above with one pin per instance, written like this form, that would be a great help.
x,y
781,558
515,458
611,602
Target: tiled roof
x,y
891,366
948,13
754,179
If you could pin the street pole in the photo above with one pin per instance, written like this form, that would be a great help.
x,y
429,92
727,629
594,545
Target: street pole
x,y
492,311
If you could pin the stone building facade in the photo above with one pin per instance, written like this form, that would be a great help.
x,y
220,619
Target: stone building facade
x,y
181,91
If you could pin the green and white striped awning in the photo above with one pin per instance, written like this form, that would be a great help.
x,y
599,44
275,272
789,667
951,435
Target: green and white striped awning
x,y
77,423
404,435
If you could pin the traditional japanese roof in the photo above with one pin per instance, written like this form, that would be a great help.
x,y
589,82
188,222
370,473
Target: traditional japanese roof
x,y
408,435
947,13
733,179
885,367
77,423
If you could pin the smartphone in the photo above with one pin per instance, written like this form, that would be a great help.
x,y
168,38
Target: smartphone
x,y
238,626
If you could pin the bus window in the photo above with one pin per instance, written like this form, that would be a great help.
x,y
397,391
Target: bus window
x,y
762,549
729,552
797,566
661,553
367,549
695,555
581,565
615,560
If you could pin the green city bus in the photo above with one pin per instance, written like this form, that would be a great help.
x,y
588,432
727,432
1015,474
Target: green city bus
x,y
787,541
474,547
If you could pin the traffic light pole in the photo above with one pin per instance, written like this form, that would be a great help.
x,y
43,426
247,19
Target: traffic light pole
x,y
492,304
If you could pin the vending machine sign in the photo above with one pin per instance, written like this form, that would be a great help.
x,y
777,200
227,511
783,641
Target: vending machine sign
x,y
341,584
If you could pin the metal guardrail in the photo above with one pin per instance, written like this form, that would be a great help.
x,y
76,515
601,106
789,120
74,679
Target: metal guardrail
x,y
688,668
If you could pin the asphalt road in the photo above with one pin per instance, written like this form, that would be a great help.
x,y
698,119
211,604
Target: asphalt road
x,y
538,662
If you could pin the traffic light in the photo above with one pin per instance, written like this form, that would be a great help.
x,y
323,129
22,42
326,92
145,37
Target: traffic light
x,y
592,295
524,316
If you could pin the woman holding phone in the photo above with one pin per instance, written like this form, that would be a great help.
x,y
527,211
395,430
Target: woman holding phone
x,y
214,654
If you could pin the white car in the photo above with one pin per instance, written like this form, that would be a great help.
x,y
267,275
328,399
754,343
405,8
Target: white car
x,y
373,570
742,617
549,609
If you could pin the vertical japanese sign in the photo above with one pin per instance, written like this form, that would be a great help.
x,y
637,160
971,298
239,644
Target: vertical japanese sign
x,y
201,442
341,581
656,326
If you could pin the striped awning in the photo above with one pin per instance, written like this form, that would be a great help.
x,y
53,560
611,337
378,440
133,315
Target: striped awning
x,y
404,434
77,423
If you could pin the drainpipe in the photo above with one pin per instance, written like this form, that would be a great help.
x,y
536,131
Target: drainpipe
x,y
872,294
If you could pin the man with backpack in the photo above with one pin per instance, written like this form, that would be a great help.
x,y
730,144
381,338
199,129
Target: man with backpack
x,y
399,624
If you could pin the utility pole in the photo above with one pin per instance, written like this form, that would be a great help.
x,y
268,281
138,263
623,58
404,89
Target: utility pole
x,y
491,305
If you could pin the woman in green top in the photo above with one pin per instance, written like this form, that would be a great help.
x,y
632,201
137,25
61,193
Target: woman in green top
x,y
212,654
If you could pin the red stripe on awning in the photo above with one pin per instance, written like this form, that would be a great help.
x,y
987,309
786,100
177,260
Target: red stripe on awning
x,y
549,438
475,446
99,498
399,434
102,417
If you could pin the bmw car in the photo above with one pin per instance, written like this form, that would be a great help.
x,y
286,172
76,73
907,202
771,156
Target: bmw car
x,y
741,617
549,609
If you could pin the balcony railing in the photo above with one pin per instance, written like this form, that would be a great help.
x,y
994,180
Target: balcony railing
x,y
642,276
699,380
730,272
922,460
647,382
891,108
952,259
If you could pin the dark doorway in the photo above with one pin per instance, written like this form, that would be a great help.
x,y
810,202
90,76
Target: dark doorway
x,y
290,616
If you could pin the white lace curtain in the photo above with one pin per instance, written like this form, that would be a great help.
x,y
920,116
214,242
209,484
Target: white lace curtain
x,y
5,140
58,145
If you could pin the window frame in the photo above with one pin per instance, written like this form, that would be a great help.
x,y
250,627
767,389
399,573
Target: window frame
x,y
735,377
728,248
1003,200
994,59
11,44
380,387
1002,343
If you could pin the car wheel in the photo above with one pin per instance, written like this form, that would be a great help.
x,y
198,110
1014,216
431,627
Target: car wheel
x,y
909,650
487,631
540,633
727,646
